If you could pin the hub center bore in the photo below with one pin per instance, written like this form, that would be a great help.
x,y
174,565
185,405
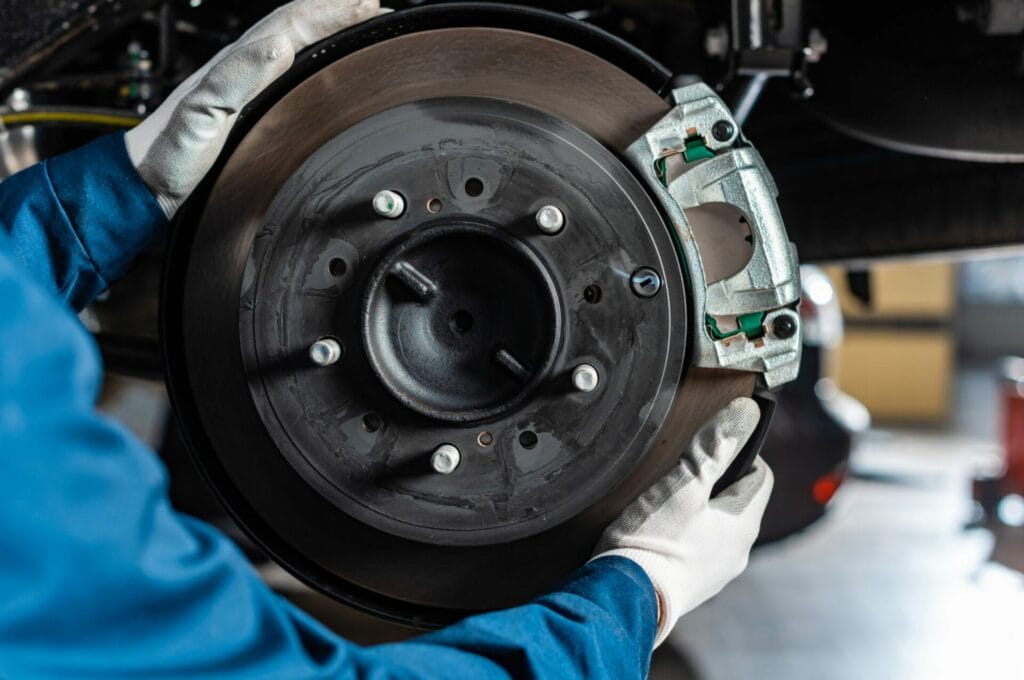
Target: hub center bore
x,y
461,321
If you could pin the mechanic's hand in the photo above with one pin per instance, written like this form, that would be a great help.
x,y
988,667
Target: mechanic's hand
x,y
692,545
176,146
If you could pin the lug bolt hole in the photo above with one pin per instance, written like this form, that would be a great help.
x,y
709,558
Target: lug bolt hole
x,y
434,206
528,440
338,267
372,422
592,294
462,322
474,187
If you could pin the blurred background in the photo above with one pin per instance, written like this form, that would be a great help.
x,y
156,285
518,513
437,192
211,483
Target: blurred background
x,y
916,569
894,543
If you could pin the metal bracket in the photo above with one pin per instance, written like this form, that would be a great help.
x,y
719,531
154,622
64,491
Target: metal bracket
x,y
696,156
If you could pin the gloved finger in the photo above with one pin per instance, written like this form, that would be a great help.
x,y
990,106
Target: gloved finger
x,y
180,156
233,82
750,494
205,115
304,22
718,443
301,23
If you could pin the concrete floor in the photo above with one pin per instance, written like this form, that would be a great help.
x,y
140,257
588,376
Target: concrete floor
x,y
890,585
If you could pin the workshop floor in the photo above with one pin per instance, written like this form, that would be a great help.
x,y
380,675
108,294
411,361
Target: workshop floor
x,y
890,585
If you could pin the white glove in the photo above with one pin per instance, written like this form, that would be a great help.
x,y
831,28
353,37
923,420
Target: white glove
x,y
176,146
689,544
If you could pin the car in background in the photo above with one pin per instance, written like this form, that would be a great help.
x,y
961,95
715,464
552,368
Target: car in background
x,y
815,425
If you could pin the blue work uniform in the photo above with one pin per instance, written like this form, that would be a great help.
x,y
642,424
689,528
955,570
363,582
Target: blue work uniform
x,y
101,578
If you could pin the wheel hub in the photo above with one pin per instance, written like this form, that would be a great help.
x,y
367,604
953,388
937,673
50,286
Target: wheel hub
x,y
461,321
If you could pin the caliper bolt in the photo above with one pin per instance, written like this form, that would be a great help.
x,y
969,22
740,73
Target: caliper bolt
x,y
585,378
645,282
389,204
445,459
784,327
325,352
723,130
550,219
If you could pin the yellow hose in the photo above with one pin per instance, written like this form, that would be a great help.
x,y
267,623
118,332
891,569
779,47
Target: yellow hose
x,y
30,117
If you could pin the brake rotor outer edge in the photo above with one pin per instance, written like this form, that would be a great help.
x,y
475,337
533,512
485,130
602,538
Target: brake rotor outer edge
x,y
526,68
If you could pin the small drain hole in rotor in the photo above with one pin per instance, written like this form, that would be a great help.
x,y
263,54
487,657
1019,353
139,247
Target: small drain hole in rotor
x,y
372,422
592,294
528,440
338,267
462,322
434,206
474,187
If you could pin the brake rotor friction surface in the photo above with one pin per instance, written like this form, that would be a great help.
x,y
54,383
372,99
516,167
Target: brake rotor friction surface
x,y
430,580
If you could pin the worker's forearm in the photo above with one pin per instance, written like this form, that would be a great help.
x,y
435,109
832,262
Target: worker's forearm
x,y
76,221
600,624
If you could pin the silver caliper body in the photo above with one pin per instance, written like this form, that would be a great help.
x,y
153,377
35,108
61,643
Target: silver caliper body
x,y
690,169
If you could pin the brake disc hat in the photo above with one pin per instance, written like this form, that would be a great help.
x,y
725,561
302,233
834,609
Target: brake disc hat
x,y
500,388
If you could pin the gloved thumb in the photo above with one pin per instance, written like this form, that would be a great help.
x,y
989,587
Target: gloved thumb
x,y
749,494
721,440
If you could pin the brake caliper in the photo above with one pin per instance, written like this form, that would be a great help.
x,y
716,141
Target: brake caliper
x,y
721,200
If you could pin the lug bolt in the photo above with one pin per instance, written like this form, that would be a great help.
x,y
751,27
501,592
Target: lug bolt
x,y
723,130
389,204
445,459
325,352
646,282
550,219
784,327
585,378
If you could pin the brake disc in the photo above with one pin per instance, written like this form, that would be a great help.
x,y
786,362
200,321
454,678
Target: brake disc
x,y
507,347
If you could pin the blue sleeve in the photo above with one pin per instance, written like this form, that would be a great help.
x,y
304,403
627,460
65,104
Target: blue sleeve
x,y
100,577
599,624
76,221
